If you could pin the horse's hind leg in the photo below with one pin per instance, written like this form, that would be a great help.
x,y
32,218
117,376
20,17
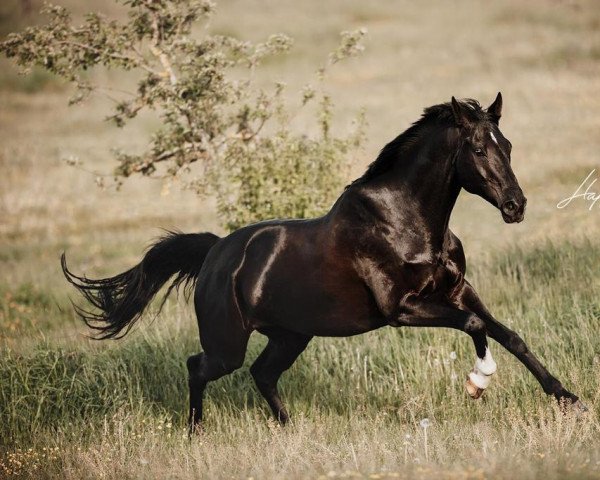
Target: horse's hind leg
x,y
283,349
224,346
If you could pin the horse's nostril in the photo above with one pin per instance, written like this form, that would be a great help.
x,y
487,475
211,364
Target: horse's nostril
x,y
510,206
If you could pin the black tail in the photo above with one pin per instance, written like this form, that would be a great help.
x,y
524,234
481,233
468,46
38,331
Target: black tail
x,y
123,298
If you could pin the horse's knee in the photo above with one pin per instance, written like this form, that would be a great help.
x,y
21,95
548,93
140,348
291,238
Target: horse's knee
x,y
202,368
231,365
474,324
261,377
260,380
194,367
193,363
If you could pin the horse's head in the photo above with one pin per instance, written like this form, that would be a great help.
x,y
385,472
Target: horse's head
x,y
483,161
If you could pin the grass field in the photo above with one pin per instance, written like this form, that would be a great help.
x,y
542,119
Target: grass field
x,y
73,408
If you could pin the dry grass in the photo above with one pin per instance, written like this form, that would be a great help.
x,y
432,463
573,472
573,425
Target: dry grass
x,y
356,399
365,447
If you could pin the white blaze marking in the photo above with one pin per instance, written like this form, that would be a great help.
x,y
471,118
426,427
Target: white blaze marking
x,y
483,370
494,138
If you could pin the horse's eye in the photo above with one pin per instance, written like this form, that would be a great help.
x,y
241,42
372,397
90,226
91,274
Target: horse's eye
x,y
480,152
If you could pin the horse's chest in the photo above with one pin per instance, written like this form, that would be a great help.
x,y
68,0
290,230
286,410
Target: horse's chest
x,y
390,283
440,278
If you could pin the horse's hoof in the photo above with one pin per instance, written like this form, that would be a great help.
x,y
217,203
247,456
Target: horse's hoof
x,y
473,390
580,407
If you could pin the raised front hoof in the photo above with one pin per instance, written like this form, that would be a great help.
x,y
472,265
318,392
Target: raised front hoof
x,y
577,407
473,390
570,404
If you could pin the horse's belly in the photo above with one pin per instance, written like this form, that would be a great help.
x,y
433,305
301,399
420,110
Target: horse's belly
x,y
343,311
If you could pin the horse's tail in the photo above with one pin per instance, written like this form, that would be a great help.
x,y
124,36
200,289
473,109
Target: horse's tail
x,y
122,299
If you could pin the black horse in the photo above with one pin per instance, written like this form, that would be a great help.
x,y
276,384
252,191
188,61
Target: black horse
x,y
383,255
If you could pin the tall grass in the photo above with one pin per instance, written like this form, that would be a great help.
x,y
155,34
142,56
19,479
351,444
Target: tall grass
x,y
117,410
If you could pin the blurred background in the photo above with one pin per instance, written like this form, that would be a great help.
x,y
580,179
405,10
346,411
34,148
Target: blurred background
x,y
357,398
544,56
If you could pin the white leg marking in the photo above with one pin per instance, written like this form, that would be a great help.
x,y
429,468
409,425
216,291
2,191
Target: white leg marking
x,y
486,365
494,138
483,370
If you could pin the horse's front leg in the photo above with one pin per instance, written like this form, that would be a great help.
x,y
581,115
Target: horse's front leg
x,y
424,313
469,300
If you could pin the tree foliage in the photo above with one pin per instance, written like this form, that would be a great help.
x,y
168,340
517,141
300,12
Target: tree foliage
x,y
214,118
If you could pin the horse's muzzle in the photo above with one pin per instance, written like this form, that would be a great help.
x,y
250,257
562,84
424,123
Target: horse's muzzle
x,y
513,208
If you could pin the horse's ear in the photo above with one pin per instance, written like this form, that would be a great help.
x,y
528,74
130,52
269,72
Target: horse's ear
x,y
495,109
461,117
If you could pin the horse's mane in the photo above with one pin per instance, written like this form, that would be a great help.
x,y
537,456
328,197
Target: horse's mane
x,y
441,113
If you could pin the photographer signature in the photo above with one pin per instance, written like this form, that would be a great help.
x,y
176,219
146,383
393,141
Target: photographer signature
x,y
583,192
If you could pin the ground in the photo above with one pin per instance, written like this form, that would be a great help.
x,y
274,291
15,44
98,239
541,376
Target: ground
x,y
75,408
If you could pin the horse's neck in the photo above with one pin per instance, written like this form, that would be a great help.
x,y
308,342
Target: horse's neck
x,y
421,190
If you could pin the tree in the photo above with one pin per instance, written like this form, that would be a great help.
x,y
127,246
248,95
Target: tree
x,y
221,135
